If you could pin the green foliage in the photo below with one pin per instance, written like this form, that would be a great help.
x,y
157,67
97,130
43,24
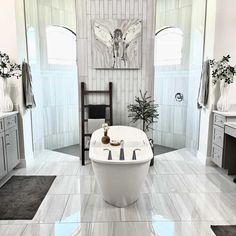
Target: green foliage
x,y
8,68
222,70
144,109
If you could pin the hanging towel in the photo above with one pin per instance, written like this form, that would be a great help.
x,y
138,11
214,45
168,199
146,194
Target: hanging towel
x,y
96,111
94,124
203,91
29,101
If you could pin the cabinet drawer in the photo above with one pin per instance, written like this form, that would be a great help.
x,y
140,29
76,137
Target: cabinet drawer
x,y
12,148
218,136
219,120
1,125
217,155
10,122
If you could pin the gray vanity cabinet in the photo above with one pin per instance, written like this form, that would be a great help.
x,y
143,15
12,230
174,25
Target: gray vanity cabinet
x,y
12,146
9,143
218,135
3,165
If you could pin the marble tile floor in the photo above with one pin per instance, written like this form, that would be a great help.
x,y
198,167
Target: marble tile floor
x,y
181,197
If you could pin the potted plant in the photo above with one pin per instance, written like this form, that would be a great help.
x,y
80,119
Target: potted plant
x,y
8,69
144,109
223,73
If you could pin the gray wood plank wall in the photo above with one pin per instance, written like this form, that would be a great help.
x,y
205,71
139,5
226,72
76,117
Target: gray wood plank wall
x,y
127,83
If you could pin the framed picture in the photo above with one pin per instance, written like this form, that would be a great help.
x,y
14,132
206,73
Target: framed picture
x,y
117,43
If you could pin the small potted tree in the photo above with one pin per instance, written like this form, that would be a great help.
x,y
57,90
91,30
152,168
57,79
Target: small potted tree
x,y
144,109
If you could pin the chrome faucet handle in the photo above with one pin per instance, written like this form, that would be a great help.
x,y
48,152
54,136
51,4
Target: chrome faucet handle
x,y
122,154
122,143
134,153
109,154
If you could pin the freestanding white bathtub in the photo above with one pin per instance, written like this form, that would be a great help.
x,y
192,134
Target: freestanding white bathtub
x,y
120,180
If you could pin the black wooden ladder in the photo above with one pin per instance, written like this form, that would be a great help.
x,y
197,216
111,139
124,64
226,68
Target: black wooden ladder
x,y
109,120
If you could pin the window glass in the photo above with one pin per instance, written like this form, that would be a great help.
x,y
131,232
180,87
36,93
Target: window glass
x,y
61,46
168,47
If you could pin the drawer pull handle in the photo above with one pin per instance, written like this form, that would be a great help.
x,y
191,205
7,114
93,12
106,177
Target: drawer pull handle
x,y
8,144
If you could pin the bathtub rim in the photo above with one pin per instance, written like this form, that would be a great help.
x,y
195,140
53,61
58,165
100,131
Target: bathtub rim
x,y
121,162
94,157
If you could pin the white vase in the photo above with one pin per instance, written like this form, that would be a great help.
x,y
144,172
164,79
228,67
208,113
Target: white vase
x,y
223,103
6,103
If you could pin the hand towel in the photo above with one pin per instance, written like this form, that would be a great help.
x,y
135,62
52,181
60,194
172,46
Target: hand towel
x,y
97,111
28,95
203,91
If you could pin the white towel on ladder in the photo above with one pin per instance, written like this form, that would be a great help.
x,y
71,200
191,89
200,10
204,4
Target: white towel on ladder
x,y
94,124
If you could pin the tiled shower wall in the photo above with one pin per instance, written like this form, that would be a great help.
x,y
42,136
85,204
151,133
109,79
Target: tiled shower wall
x,y
55,119
170,130
196,57
127,83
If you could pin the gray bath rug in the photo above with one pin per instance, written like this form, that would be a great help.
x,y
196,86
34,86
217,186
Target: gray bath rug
x,y
21,196
224,230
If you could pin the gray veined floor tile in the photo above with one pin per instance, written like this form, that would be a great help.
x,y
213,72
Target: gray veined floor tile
x,y
182,228
222,183
150,207
163,167
53,230
89,208
91,229
199,168
185,206
51,209
200,183
60,168
65,185
86,170
215,206
74,185
164,184
180,167
12,230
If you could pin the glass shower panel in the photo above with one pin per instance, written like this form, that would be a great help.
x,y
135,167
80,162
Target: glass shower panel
x,y
176,81
51,38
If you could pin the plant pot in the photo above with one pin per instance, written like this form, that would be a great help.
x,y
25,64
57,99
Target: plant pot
x,y
223,102
6,104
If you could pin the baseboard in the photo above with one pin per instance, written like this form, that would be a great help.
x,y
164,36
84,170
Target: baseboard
x,y
205,160
22,164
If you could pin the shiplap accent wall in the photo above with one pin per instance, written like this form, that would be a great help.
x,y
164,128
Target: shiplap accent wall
x,y
127,83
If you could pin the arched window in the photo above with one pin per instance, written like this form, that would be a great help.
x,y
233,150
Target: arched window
x,y
168,46
61,45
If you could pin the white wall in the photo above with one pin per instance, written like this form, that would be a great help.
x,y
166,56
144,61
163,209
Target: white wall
x,y
225,30
12,42
8,40
220,40
127,83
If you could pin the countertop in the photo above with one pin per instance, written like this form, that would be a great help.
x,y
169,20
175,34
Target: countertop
x,y
231,124
6,114
225,113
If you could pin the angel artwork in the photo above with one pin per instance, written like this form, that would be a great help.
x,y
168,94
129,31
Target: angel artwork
x,y
117,44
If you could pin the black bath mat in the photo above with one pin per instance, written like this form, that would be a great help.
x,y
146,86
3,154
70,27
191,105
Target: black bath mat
x,y
224,230
21,196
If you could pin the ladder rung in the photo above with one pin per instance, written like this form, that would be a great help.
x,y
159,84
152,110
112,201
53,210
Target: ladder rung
x,y
97,104
86,120
96,91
